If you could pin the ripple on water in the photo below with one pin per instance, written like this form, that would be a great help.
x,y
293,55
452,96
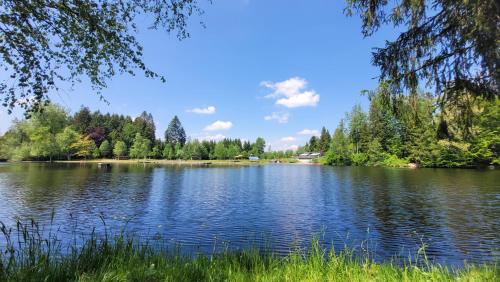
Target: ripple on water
x,y
391,212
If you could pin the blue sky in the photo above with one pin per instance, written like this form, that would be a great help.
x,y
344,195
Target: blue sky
x,y
259,68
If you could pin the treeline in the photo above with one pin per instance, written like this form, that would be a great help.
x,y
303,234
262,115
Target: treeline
x,y
54,134
398,130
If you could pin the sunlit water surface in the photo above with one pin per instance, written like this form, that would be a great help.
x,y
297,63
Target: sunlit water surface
x,y
388,212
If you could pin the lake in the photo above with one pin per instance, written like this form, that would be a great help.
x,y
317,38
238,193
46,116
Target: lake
x,y
389,212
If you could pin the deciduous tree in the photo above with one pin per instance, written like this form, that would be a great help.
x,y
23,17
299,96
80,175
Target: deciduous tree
x,y
44,43
120,149
66,139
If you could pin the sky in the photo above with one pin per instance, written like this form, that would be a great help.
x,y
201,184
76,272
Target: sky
x,y
276,69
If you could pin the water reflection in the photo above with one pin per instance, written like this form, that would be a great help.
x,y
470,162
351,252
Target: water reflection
x,y
456,212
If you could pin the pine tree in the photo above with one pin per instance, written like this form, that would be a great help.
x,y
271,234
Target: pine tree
x,y
324,140
175,133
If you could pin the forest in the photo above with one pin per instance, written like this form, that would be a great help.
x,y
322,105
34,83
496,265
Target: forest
x,y
401,129
53,134
396,130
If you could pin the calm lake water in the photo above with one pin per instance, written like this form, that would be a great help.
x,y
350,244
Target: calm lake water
x,y
389,211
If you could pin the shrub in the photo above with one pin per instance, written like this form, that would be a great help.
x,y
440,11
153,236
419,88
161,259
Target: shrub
x,y
359,159
393,161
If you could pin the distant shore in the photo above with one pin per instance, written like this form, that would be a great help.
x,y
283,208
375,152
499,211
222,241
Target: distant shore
x,y
177,162
214,163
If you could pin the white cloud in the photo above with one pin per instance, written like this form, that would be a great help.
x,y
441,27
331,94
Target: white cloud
x,y
292,93
287,139
284,144
219,125
204,111
285,147
309,132
280,117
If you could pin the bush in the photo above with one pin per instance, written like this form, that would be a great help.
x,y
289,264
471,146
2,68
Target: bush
x,y
453,154
359,159
394,161
331,158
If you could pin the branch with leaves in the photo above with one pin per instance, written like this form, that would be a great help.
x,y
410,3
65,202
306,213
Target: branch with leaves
x,y
48,42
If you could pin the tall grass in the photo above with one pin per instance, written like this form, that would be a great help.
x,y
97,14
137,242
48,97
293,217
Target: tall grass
x,y
32,255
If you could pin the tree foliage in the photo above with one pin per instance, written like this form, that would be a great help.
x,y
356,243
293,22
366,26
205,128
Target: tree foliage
x,y
120,149
451,45
398,130
84,147
46,43
175,133
105,149
324,140
66,139
141,147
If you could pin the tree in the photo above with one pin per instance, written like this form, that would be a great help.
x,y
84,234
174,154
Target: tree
x,y
452,45
120,149
43,143
128,133
53,117
358,127
178,151
105,149
168,152
233,151
84,147
220,152
81,120
48,42
383,122
97,134
140,148
247,146
486,145
66,139
42,130
339,150
175,133
195,150
324,140
146,126
313,144
259,146
155,152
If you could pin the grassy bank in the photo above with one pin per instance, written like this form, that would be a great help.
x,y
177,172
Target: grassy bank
x,y
33,258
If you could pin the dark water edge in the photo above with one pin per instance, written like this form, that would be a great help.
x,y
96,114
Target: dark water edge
x,y
390,213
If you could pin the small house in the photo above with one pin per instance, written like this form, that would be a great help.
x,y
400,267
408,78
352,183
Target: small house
x,y
253,158
308,157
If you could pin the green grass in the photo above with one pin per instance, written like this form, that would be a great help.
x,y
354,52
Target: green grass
x,y
33,258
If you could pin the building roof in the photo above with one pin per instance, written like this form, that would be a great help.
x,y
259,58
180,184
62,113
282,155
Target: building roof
x,y
309,155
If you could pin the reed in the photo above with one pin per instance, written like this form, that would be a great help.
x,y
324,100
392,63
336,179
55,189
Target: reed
x,y
30,253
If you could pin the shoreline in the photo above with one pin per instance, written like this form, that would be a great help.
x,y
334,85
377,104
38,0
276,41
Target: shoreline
x,y
410,166
162,162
